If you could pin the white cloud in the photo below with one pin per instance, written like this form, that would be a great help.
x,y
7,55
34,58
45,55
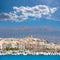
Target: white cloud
x,y
53,10
23,13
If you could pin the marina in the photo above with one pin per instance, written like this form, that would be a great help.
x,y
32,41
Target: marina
x,y
28,46
26,53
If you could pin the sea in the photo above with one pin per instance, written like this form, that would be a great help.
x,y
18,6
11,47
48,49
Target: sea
x,y
29,57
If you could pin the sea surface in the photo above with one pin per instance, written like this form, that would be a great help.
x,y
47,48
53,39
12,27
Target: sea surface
x,y
29,57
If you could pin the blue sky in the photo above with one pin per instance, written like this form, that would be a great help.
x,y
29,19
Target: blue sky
x,y
6,6
30,13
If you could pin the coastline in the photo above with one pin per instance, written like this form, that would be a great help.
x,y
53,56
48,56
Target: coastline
x,y
35,53
28,46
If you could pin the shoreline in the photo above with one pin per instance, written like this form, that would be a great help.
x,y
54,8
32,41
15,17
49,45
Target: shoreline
x,y
40,53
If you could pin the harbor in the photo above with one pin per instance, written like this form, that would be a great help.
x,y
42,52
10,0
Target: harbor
x,y
28,46
26,53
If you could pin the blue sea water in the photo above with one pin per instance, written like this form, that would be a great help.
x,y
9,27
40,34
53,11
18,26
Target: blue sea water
x,y
29,57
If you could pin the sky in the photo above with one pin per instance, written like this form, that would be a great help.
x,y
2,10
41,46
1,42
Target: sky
x,y
40,18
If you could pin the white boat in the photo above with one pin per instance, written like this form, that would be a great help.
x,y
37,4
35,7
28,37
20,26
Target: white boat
x,y
24,53
37,53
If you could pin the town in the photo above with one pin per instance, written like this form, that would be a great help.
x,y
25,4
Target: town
x,y
28,46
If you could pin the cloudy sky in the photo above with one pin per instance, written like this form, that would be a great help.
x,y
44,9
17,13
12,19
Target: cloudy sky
x,y
40,18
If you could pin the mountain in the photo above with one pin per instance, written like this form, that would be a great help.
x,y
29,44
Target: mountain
x,y
42,32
